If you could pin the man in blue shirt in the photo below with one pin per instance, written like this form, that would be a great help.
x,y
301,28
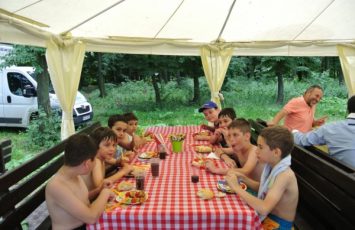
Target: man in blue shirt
x,y
338,136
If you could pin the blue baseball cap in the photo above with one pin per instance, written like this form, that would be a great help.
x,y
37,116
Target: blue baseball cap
x,y
208,105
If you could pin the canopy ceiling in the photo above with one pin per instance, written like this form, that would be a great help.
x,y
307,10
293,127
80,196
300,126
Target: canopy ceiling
x,y
181,27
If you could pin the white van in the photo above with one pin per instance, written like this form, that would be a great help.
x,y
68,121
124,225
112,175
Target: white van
x,y
18,99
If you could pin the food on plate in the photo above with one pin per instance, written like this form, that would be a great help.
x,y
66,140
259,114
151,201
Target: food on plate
x,y
202,133
132,197
148,155
199,162
205,193
223,186
244,186
125,186
203,149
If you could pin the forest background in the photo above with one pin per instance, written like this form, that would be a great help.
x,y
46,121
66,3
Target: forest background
x,y
168,90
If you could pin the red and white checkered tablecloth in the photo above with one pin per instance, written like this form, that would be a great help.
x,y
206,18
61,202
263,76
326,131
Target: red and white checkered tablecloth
x,y
172,202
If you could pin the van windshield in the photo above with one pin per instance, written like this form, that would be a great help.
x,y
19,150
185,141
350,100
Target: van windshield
x,y
33,74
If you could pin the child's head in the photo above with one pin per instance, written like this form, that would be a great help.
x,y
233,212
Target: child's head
x,y
79,148
210,111
118,123
274,142
239,133
106,140
226,116
132,123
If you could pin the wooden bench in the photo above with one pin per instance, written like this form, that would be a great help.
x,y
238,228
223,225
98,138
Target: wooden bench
x,y
326,188
5,153
22,189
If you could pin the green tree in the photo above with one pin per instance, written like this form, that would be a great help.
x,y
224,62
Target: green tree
x,y
279,67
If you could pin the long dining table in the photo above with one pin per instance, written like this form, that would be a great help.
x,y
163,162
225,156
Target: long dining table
x,y
172,201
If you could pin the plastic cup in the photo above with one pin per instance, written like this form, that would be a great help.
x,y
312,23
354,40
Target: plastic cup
x,y
195,175
154,166
140,181
177,146
162,151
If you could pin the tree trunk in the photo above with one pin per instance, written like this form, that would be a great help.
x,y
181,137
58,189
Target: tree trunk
x,y
165,75
156,89
251,67
43,88
196,98
340,77
101,77
280,83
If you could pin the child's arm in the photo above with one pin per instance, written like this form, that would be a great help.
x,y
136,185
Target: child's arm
x,y
228,150
98,173
129,145
67,200
215,138
95,192
210,167
224,154
209,128
273,196
249,165
139,141
252,184
127,168
229,161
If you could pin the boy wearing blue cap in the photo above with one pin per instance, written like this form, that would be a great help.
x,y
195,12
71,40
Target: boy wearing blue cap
x,y
210,110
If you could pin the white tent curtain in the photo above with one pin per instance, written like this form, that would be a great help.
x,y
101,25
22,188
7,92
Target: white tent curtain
x,y
215,62
347,60
65,60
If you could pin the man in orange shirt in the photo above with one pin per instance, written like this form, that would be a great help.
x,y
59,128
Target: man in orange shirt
x,y
299,112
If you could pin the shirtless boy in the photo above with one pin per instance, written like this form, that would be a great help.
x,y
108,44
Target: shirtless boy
x,y
67,196
239,133
106,139
277,190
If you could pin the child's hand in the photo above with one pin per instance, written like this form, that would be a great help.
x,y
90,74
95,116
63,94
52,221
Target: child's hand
x,y
232,179
236,173
110,194
127,168
224,131
218,132
229,162
106,183
209,166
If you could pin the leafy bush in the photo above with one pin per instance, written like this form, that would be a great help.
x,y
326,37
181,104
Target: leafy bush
x,y
44,131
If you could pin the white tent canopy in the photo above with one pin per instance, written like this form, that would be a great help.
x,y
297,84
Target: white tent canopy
x,y
181,27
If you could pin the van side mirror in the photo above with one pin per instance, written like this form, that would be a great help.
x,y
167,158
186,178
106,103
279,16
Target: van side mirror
x,y
29,91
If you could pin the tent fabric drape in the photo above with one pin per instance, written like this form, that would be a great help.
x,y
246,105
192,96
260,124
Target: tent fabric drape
x,y
215,62
65,60
347,60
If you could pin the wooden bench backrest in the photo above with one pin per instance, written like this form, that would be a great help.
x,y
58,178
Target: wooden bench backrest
x,y
5,153
325,188
22,189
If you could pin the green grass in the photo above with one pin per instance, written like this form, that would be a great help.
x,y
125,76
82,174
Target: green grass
x,y
251,99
